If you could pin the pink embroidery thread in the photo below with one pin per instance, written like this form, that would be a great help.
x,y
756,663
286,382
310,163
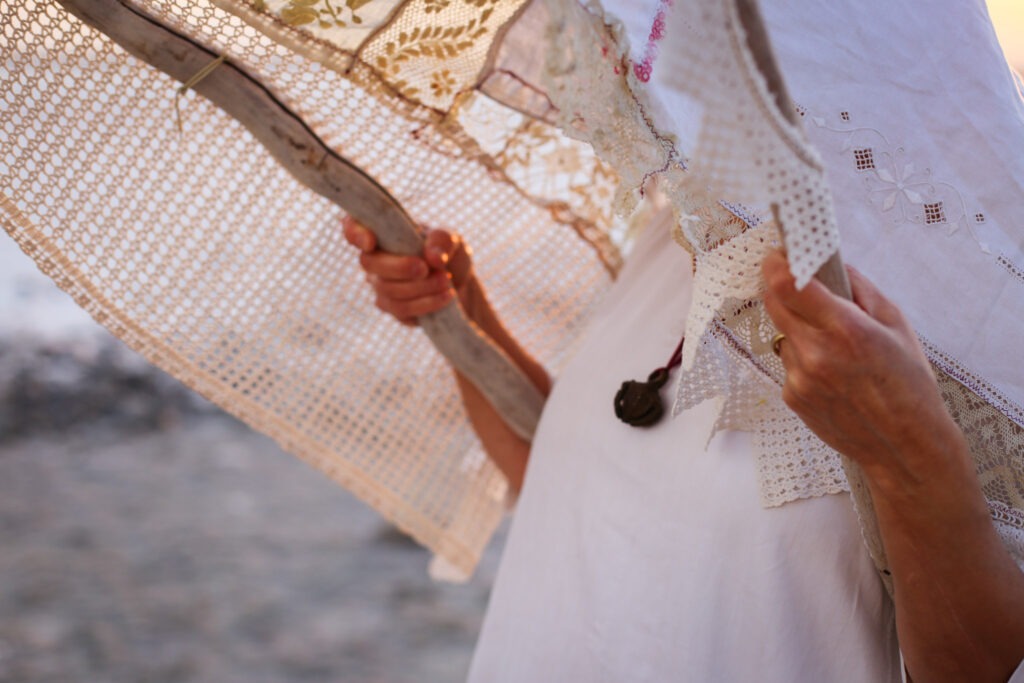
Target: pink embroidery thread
x,y
644,69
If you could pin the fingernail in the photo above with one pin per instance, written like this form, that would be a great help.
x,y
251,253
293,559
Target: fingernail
x,y
440,255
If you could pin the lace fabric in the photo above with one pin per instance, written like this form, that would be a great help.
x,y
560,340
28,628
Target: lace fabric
x,y
720,94
200,252
525,125
732,361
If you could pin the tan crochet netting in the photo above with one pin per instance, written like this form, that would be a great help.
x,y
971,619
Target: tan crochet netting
x,y
201,253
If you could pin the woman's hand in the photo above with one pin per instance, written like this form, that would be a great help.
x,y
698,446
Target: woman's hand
x,y
407,287
857,375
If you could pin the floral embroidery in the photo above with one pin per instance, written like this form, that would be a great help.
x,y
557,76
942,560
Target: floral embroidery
x,y
431,6
326,13
441,83
933,213
570,173
899,187
865,158
564,160
437,42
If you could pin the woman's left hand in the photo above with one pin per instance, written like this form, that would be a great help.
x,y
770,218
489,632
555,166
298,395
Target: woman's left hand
x,y
856,373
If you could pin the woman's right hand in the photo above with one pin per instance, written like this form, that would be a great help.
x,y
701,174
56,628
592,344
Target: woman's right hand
x,y
407,287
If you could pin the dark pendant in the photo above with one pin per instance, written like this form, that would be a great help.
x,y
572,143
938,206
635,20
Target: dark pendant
x,y
639,403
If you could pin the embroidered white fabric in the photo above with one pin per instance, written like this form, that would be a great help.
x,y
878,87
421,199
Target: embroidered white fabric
x,y
917,184
712,65
589,64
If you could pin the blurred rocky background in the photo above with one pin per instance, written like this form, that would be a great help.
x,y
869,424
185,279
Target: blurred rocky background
x,y
147,537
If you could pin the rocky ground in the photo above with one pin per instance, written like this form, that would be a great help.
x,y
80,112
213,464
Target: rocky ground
x,y
200,552
146,537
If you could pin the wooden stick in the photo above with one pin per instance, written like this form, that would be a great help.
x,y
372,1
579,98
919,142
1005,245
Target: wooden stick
x,y
832,274
296,147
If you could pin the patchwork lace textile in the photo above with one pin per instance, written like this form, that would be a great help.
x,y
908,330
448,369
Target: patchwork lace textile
x,y
534,129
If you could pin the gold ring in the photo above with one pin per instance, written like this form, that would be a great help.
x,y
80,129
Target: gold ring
x,y
777,343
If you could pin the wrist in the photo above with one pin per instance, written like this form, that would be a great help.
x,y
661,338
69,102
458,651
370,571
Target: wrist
x,y
931,472
474,301
919,445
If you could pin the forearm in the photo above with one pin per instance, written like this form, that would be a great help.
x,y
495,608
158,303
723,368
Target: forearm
x,y
858,377
959,595
508,451
408,287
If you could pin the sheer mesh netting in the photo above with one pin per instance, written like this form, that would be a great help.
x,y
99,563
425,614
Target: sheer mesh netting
x,y
200,252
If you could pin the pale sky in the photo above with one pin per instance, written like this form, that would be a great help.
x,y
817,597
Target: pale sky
x,y
1008,17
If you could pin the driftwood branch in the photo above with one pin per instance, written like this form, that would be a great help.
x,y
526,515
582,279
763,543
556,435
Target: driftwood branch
x,y
832,274
296,147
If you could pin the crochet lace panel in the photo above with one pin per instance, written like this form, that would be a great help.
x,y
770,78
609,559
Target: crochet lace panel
x,y
203,254
524,125
602,99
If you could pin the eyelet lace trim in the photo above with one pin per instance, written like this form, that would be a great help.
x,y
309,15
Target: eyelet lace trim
x,y
729,357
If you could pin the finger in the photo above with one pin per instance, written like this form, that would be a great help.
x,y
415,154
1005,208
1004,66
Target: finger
x,y
814,303
414,308
438,248
443,249
461,263
405,290
357,235
871,299
394,267
785,320
788,354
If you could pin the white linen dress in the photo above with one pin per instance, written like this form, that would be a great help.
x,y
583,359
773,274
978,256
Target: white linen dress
x,y
641,555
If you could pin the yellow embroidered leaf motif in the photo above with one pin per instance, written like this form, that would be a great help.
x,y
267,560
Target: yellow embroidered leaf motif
x,y
325,13
299,12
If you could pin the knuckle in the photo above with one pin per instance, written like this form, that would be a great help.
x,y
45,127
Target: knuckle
x,y
442,283
798,386
412,268
371,262
817,365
